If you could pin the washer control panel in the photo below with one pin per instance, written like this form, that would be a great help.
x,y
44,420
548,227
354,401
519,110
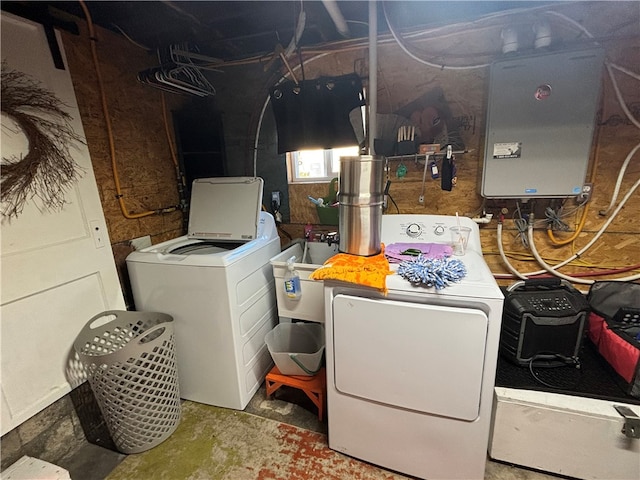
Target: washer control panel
x,y
439,229
414,230
417,230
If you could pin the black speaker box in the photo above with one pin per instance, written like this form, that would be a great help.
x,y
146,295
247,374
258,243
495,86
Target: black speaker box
x,y
543,320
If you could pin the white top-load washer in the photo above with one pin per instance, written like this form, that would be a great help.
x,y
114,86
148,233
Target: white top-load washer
x,y
218,285
410,375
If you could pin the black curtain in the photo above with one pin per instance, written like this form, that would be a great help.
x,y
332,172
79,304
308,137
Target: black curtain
x,y
315,113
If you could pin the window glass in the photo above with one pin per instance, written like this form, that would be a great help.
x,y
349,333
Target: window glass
x,y
310,164
316,166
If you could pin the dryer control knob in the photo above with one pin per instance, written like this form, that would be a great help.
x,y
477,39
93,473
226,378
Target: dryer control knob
x,y
439,230
414,230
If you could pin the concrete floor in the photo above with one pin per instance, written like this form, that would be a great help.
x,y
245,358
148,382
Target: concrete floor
x,y
288,405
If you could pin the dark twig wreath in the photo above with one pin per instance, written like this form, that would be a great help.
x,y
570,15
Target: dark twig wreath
x,y
48,170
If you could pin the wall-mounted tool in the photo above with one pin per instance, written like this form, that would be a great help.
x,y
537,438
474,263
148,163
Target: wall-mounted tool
x,y
448,172
406,140
433,167
424,179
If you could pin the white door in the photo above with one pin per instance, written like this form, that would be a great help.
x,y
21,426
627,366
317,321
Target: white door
x,y
57,266
419,357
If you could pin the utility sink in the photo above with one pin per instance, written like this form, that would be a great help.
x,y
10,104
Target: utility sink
x,y
310,305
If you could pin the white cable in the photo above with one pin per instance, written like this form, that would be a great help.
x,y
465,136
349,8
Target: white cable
x,y
420,60
255,143
598,234
293,44
398,41
623,169
607,223
548,268
608,65
511,268
552,270
473,23
571,21
336,16
623,105
624,70
621,102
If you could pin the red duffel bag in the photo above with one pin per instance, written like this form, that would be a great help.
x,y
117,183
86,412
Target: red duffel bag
x,y
614,328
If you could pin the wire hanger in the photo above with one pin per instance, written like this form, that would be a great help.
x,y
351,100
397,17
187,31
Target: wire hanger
x,y
178,73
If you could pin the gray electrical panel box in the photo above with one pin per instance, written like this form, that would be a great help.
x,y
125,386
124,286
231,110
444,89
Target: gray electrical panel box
x,y
540,122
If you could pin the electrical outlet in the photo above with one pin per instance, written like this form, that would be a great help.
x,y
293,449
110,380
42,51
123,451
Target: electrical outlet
x,y
587,190
275,200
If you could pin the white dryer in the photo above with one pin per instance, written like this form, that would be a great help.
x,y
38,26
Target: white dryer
x,y
218,285
410,375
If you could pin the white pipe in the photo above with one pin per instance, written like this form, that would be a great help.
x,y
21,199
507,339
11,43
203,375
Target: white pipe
x,y
293,44
504,258
576,255
625,70
552,270
402,46
548,268
486,219
373,75
616,190
618,93
336,16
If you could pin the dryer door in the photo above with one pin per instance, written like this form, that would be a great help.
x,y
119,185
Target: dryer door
x,y
413,356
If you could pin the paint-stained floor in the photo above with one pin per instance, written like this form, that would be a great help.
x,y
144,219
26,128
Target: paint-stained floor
x,y
289,406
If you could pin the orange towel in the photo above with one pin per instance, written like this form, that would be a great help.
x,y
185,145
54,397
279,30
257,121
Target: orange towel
x,y
369,271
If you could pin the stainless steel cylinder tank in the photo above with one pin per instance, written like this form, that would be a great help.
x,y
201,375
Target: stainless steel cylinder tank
x,y
361,197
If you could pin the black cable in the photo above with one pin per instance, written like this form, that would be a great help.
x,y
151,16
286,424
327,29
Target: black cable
x,y
555,360
394,202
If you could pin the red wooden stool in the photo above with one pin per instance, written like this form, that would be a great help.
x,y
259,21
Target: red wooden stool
x,y
314,386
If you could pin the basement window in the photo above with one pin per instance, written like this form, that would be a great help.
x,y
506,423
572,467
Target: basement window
x,y
316,166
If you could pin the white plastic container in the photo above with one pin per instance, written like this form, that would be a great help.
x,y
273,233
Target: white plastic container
x,y
310,304
296,348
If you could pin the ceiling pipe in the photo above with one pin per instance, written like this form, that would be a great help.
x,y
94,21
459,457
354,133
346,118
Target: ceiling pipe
x,y
373,75
336,16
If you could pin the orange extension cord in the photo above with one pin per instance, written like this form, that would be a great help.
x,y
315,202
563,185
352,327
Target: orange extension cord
x,y
583,218
114,166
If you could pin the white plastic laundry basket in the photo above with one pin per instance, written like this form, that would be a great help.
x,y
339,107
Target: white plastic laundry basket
x,y
131,365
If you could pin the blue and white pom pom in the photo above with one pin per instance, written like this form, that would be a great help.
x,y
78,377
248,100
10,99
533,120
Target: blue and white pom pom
x,y
432,272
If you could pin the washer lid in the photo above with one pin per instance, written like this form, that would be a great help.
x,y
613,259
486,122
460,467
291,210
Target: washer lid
x,y
225,208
